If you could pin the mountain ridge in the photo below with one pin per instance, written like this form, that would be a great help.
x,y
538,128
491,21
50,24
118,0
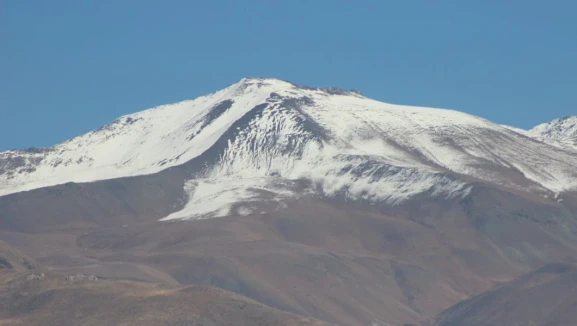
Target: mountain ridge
x,y
268,134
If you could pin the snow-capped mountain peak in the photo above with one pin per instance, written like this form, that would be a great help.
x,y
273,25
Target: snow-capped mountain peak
x,y
563,130
260,141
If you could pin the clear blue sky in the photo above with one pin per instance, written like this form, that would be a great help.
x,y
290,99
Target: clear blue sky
x,y
67,67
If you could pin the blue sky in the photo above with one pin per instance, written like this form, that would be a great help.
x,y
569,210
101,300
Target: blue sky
x,y
67,67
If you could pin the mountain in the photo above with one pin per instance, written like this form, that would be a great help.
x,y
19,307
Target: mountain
x,y
269,135
543,297
563,130
319,202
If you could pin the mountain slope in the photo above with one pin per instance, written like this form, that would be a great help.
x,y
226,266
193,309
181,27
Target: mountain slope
x,y
269,136
337,261
544,297
30,297
563,130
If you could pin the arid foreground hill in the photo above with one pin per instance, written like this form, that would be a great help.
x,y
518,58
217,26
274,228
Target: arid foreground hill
x,y
30,297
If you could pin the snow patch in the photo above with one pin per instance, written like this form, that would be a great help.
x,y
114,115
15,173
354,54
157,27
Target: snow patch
x,y
218,197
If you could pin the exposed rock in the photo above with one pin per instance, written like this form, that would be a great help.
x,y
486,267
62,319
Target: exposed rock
x,y
35,277
81,277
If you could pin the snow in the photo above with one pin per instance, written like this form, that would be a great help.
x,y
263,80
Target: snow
x,y
134,144
341,142
217,198
559,132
